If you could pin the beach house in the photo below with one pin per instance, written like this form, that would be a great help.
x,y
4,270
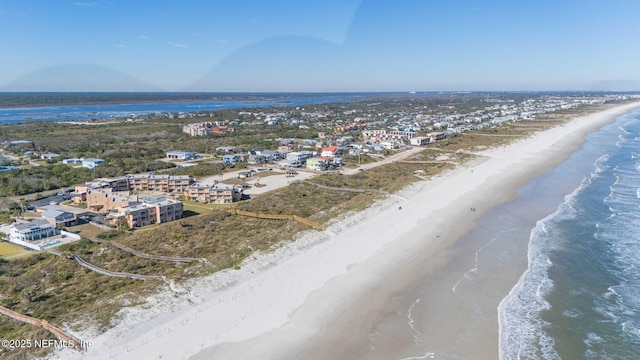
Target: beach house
x,y
182,155
72,161
231,159
59,217
91,163
318,163
25,233
330,151
420,140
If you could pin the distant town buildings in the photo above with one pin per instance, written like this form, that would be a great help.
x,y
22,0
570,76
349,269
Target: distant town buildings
x,y
206,128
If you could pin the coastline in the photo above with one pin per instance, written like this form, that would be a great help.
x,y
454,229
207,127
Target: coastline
x,y
280,300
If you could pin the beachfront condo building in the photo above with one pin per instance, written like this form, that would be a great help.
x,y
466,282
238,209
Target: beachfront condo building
x,y
143,214
104,200
213,194
163,183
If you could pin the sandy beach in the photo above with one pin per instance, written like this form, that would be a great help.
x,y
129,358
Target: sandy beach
x,y
317,297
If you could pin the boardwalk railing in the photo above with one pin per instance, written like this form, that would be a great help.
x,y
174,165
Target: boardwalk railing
x,y
158,257
68,339
102,271
150,256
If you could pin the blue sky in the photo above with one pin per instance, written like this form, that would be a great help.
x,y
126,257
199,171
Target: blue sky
x,y
328,45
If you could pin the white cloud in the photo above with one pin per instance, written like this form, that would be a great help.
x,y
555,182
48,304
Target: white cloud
x,y
144,37
176,44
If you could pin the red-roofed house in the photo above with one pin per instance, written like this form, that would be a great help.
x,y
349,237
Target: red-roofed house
x,y
329,151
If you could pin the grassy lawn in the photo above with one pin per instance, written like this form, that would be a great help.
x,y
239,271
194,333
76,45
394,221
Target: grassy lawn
x,y
87,231
10,251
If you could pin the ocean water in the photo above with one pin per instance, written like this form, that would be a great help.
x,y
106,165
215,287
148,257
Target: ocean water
x,y
579,298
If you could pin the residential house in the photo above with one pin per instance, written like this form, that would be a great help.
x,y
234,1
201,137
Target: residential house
x,y
295,159
182,155
72,161
91,163
49,156
420,140
244,174
389,144
271,155
255,159
330,151
231,159
59,217
299,156
284,149
437,136
318,163
227,149
24,233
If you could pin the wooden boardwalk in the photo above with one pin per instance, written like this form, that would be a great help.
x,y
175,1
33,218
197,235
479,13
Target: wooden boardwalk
x,y
102,271
69,340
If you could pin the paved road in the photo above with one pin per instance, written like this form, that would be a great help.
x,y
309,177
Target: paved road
x,y
388,160
276,180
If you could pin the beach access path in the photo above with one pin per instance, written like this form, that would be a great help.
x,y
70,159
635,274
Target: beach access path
x,y
279,301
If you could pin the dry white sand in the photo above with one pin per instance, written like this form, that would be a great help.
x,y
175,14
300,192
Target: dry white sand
x,y
279,300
